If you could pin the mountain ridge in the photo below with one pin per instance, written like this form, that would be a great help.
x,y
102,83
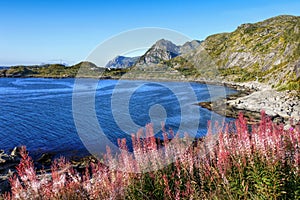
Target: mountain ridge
x,y
164,50
122,62
266,52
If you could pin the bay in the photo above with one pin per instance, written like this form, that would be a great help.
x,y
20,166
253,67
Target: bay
x,y
38,113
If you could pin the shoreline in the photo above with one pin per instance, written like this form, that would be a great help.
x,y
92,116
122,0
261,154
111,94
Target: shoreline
x,y
9,160
251,98
283,107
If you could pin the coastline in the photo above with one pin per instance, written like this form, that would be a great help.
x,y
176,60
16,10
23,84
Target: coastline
x,y
10,160
252,97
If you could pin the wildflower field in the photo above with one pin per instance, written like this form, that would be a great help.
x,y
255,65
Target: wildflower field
x,y
257,162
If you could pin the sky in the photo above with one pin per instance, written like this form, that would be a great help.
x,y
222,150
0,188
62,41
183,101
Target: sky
x,y
48,31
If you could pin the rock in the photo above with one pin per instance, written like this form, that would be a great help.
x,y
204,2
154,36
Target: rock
x,y
164,50
4,184
14,152
45,159
280,106
122,62
8,163
270,112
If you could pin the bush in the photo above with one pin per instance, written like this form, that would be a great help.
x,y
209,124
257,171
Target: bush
x,y
235,163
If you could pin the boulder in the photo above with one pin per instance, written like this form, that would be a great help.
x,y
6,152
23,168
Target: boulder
x,y
8,163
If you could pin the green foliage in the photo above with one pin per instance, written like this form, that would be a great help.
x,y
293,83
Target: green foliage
x,y
188,71
19,71
240,74
292,85
83,69
249,28
216,44
254,48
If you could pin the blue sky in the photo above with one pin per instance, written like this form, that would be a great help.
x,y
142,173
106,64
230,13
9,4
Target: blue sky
x,y
34,32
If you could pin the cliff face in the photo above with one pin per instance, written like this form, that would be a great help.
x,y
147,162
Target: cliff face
x,y
267,51
164,50
122,62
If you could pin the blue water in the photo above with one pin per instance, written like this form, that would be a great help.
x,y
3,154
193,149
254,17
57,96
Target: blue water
x,y
38,112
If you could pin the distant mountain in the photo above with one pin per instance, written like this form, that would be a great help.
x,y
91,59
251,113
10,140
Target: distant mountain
x,y
189,46
164,50
86,64
122,62
266,52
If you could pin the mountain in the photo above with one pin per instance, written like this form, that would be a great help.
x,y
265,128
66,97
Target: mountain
x,y
267,52
164,50
122,62
189,46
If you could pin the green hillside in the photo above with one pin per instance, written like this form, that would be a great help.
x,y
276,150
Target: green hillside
x,y
267,51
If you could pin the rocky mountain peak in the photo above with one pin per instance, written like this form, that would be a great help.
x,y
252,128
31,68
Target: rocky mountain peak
x,y
189,46
164,50
122,62
166,45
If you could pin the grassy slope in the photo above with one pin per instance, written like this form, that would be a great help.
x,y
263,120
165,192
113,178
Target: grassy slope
x,y
267,51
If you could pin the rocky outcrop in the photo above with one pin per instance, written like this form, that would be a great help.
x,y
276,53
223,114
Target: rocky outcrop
x,y
285,105
253,97
164,50
161,50
8,163
189,46
122,62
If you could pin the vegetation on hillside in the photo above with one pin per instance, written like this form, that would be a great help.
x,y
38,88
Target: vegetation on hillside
x,y
83,69
267,51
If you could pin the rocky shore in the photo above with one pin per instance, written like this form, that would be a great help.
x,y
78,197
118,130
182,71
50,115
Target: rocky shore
x,y
253,97
9,162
